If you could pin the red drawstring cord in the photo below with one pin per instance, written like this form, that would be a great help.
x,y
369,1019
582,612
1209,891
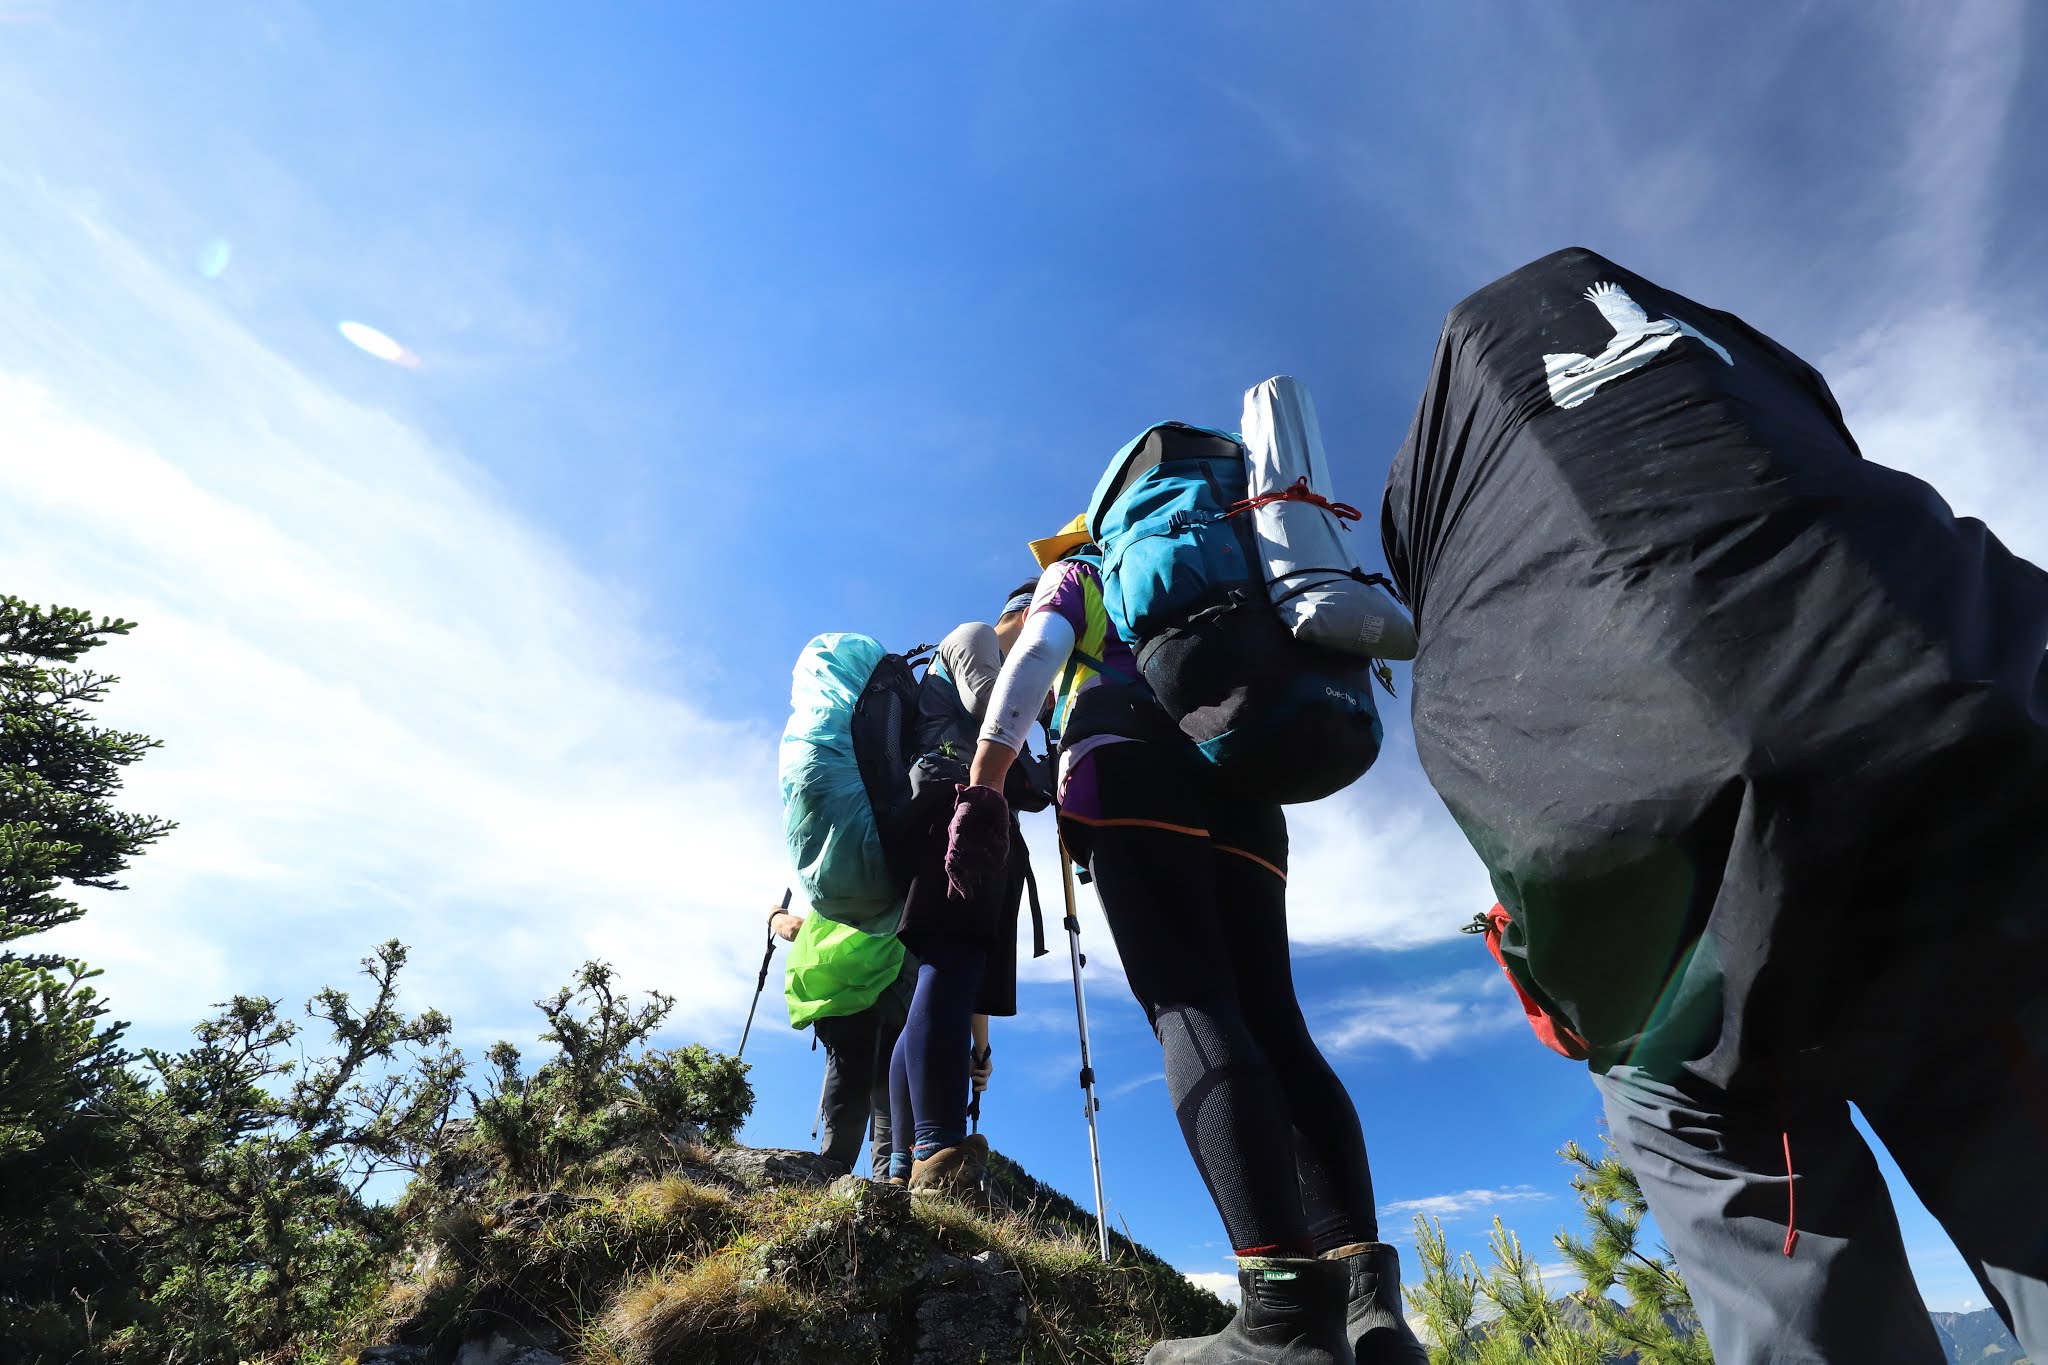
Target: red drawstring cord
x,y
1299,491
1791,1200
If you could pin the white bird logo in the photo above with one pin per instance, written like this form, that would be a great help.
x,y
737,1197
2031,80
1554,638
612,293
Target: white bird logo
x,y
1637,341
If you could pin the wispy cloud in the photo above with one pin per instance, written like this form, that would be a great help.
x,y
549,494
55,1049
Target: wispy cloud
x,y
1423,1020
1560,1278
1944,377
389,707
1123,1088
1459,1203
1962,69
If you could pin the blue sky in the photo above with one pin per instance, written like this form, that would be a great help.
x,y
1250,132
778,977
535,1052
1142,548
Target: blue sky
x,y
740,323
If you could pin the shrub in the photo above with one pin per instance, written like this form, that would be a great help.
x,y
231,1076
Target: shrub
x,y
594,1092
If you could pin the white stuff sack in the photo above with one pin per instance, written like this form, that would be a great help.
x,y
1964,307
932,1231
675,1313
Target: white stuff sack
x,y
1311,564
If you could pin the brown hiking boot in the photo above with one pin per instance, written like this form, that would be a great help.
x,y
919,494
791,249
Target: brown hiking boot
x,y
960,1170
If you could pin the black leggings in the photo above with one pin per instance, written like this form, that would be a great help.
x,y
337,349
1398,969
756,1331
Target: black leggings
x,y
1195,892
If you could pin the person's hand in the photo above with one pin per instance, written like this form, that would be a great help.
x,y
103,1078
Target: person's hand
x,y
784,925
982,1065
977,840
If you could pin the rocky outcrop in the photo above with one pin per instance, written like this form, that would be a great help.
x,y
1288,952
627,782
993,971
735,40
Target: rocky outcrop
x,y
767,1167
661,1250
973,1309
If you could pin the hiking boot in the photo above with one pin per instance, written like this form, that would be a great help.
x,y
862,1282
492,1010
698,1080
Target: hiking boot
x,y
1378,1329
960,1170
1292,1313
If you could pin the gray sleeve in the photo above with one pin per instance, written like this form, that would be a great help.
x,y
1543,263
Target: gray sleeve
x,y
972,659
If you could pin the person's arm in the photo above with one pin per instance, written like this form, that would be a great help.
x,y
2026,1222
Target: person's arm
x,y
1034,665
992,762
973,659
784,925
982,1059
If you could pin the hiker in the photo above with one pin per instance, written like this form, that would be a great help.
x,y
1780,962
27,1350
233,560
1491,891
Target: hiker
x,y
966,953
853,990
1192,878
1751,734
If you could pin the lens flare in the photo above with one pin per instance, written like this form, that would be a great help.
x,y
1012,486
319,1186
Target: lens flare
x,y
368,338
213,258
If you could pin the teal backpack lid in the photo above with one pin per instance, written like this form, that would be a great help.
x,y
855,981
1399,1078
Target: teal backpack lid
x,y
1169,544
827,820
1184,585
1129,464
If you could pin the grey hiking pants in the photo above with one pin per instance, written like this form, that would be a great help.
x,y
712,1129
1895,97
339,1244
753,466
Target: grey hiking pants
x,y
1967,1123
857,1048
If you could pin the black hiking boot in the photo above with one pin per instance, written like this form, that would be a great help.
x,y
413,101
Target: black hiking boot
x,y
1292,1314
1378,1329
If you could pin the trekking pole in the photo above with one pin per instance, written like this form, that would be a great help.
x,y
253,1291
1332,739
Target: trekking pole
x,y
980,1059
819,1121
761,983
1077,960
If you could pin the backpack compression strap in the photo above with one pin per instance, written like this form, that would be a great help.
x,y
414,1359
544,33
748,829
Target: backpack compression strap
x,y
1298,491
1038,948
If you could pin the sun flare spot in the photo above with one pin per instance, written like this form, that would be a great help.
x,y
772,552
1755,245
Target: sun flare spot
x,y
368,338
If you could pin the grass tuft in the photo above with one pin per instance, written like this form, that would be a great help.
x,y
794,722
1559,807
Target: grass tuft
x,y
664,1318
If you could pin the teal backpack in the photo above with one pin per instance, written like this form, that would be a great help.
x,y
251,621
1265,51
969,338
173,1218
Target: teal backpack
x,y
869,762
848,800
1182,581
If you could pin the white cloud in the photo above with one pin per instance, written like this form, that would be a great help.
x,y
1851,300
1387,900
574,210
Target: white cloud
x,y
388,707
1461,1202
1382,865
1956,396
1424,1019
1221,1283
1560,1278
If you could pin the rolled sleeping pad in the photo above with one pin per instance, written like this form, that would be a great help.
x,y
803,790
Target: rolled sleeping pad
x,y
1310,556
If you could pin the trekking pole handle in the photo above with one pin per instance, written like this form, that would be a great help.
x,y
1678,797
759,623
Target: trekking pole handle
x,y
761,981
766,957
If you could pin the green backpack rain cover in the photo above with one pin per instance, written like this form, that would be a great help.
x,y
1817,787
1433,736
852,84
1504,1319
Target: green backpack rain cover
x,y
846,954
836,969
827,818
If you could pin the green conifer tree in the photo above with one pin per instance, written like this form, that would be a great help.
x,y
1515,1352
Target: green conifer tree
x,y
1506,1315
1658,1325
61,1062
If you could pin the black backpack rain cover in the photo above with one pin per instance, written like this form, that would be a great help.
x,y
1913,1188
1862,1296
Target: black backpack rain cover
x,y
1750,732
